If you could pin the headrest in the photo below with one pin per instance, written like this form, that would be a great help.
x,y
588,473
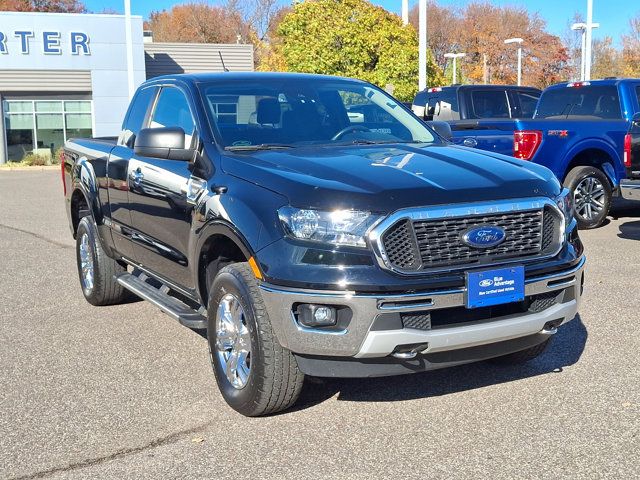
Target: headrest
x,y
268,111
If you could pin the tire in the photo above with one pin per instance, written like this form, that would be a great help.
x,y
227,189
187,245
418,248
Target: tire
x,y
266,378
523,356
102,289
591,191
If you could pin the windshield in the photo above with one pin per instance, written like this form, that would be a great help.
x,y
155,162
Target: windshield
x,y
597,101
286,113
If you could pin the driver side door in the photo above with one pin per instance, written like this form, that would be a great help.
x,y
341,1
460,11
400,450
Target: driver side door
x,y
160,213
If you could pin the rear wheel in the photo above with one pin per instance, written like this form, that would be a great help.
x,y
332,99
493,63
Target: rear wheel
x,y
255,375
96,269
592,195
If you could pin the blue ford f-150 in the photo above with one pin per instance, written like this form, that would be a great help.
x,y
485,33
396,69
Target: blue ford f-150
x,y
578,131
314,226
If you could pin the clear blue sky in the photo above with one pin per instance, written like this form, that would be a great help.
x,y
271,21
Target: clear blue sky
x,y
613,15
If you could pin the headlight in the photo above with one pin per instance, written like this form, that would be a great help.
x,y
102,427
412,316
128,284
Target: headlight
x,y
565,204
339,227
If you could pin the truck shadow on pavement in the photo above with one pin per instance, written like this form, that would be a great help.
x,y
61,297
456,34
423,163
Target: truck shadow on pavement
x,y
564,350
630,230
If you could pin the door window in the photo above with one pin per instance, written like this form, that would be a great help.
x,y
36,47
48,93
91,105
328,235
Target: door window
x,y
137,114
172,110
442,106
490,104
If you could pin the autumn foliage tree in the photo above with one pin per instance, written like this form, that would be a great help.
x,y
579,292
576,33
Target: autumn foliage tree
x,y
631,49
351,38
198,22
480,29
60,6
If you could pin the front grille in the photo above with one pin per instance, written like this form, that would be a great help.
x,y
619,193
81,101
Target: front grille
x,y
428,244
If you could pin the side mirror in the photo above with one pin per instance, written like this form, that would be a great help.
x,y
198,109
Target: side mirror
x,y
164,142
442,128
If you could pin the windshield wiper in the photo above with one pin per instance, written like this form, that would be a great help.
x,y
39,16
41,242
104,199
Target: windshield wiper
x,y
262,146
362,141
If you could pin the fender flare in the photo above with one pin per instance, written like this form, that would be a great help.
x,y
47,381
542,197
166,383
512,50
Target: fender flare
x,y
204,233
84,179
594,144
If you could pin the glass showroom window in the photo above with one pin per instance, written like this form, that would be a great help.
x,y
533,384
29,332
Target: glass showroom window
x,y
42,126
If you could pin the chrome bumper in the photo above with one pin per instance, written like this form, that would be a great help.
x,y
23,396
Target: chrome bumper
x,y
630,189
358,340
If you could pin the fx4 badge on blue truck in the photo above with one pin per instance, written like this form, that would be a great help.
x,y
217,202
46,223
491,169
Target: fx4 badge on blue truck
x,y
314,226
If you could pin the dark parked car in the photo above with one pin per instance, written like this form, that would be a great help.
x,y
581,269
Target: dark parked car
x,y
313,226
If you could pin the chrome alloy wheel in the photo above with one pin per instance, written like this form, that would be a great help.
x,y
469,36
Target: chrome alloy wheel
x,y
233,341
589,198
86,262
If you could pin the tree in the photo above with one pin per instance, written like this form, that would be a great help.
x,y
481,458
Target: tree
x,y
260,15
443,29
61,6
485,27
572,41
607,60
351,38
631,49
198,23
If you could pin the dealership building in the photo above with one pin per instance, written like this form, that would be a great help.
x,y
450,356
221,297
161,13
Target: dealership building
x,y
71,75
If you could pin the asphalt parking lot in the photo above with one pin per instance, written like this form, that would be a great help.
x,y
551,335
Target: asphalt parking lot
x,y
126,392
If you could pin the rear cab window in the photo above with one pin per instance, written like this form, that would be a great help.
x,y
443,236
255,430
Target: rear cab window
x,y
489,104
527,100
590,101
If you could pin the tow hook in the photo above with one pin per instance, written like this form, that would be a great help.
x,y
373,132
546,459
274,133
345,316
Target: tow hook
x,y
551,328
407,352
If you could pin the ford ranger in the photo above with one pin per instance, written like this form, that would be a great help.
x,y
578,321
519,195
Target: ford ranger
x,y
313,225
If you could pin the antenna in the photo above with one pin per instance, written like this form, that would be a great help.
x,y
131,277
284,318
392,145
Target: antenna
x,y
222,61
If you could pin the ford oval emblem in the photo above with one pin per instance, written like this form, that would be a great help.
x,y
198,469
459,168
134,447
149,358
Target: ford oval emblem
x,y
486,236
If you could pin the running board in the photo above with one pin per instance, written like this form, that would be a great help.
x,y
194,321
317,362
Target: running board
x,y
137,283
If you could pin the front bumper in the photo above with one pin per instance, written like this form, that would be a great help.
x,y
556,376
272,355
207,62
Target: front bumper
x,y
372,333
630,189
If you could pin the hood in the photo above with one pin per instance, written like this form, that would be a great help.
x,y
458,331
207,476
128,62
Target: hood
x,y
384,178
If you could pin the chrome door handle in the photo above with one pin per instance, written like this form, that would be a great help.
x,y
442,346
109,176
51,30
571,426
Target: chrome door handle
x,y
137,176
470,142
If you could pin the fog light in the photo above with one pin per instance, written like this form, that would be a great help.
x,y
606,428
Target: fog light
x,y
310,315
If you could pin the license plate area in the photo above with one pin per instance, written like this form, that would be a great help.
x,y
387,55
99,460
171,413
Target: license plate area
x,y
495,287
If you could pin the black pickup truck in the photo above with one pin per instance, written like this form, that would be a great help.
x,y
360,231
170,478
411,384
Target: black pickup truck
x,y
313,226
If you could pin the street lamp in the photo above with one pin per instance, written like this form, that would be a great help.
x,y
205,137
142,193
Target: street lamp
x,y
518,41
582,27
455,56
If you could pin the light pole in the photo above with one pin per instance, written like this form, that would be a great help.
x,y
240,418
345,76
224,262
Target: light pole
x,y
405,12
587,54
455,56
582,27
129,46
422,44
517,41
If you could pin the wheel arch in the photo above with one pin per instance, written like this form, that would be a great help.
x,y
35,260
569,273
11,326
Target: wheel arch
x,y
596,154
85,192
218,240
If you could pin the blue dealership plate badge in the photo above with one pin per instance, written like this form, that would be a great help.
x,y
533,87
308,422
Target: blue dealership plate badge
x,y
495,287
484,236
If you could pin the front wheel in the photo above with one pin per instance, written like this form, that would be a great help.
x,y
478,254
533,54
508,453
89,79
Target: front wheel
x,y
592,195
255,375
